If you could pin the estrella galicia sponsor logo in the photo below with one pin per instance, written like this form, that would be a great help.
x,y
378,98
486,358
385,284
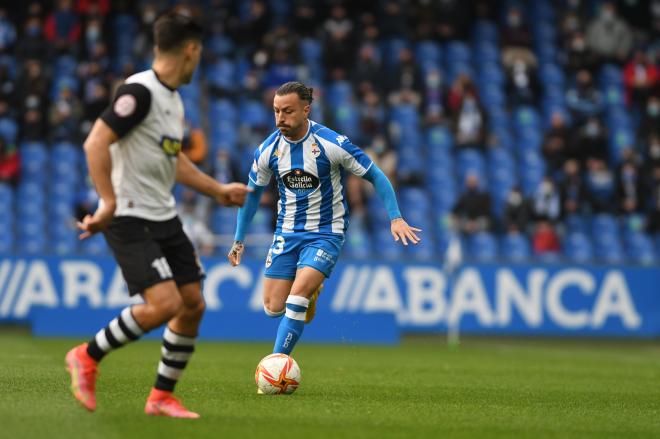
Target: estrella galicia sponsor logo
x,y
300,182
170,145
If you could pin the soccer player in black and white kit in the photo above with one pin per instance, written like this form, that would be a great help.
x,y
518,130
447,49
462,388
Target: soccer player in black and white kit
x,y
134,157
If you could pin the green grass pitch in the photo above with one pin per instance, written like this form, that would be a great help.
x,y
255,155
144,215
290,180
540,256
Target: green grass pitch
x,y
486,388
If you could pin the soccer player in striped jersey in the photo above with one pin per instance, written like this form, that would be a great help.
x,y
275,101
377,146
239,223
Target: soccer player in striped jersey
x,y
134,156
308,161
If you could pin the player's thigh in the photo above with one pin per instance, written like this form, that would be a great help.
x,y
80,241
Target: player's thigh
x,y
162,300
283,254
275,293
179,252
307,280
138,255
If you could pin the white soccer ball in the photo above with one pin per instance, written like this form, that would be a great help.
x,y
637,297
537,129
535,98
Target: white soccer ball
x,y
277,374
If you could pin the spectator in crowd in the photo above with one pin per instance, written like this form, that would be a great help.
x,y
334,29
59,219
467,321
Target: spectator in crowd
x,y
517,211
653,222
472,212
652,152
194,143
547,204
650,120
306,18
9,163
7,32
584,99
640,77
367,69
33,86
579,55
62,28
522,84
372,117
609,36
434,110
589,140
338,47
572,190
392,21
32,44
450,19
516,38
545,239
33,126
405,75
630,194
7,85
600,186
555,144
64,115
469,124
255,24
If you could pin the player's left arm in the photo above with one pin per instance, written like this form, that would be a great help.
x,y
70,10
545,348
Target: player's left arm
x,y
398,226
230,194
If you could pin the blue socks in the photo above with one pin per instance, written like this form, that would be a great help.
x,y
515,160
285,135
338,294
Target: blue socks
x,y
291,325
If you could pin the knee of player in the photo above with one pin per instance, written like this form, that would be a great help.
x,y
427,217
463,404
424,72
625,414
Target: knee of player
x,y
272,311
170,306
196,308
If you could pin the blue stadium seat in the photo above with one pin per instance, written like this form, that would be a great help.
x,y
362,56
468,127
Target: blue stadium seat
x,y
484,30
576,223
253,114
487,53
515,248
604,224
482,247
339,92
428,51
8,129
347,119
385,247
222,110
6,197
423,250
608,248
577,247
490,73
222,74
94,246
639,248
457,52
439,139
219,45
390,50
492,94
34,161
551,74
358,243
526,117
610,74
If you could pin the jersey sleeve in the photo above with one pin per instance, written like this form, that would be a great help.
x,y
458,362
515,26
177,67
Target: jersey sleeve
x,y
260,172
353,158
129,107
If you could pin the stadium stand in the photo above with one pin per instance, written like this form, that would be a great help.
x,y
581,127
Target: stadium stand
x,y
519,95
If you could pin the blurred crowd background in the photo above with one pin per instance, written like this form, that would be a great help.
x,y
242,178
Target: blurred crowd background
x,y
529,128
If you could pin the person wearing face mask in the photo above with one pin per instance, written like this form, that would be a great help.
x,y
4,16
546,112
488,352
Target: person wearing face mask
x,y
652,152
571,189
547,206
640,77
472,211
31,44
517,212
653,221
650,121
629,184
516,38
609,36
589,141
579,55
583,99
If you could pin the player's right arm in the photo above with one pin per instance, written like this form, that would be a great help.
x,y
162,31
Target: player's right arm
x,y
99,162
259,177
129,108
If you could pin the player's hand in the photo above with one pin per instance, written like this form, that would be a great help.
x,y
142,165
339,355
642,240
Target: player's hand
x,y
92,224
236,253
402,231
233,194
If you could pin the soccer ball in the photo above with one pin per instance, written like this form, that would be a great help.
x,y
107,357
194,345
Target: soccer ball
x,y
277,374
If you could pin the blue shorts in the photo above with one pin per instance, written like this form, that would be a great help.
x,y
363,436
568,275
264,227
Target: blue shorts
x,y
291,251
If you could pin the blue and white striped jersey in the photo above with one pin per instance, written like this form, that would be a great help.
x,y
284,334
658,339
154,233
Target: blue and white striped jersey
x,y
310,178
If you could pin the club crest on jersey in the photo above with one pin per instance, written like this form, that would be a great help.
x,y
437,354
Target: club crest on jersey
x,y
300,182
269,258
170,145
315,150
341,139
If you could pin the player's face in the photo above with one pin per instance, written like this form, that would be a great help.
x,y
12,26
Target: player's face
x,y
290,115
193,53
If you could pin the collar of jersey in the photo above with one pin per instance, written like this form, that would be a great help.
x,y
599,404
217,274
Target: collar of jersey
x,y
161,82
309,130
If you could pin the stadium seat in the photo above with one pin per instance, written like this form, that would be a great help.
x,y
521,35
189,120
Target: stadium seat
x,y
484,30
482,247
639,249
8,129
6,241
515,248
428,51
577,247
